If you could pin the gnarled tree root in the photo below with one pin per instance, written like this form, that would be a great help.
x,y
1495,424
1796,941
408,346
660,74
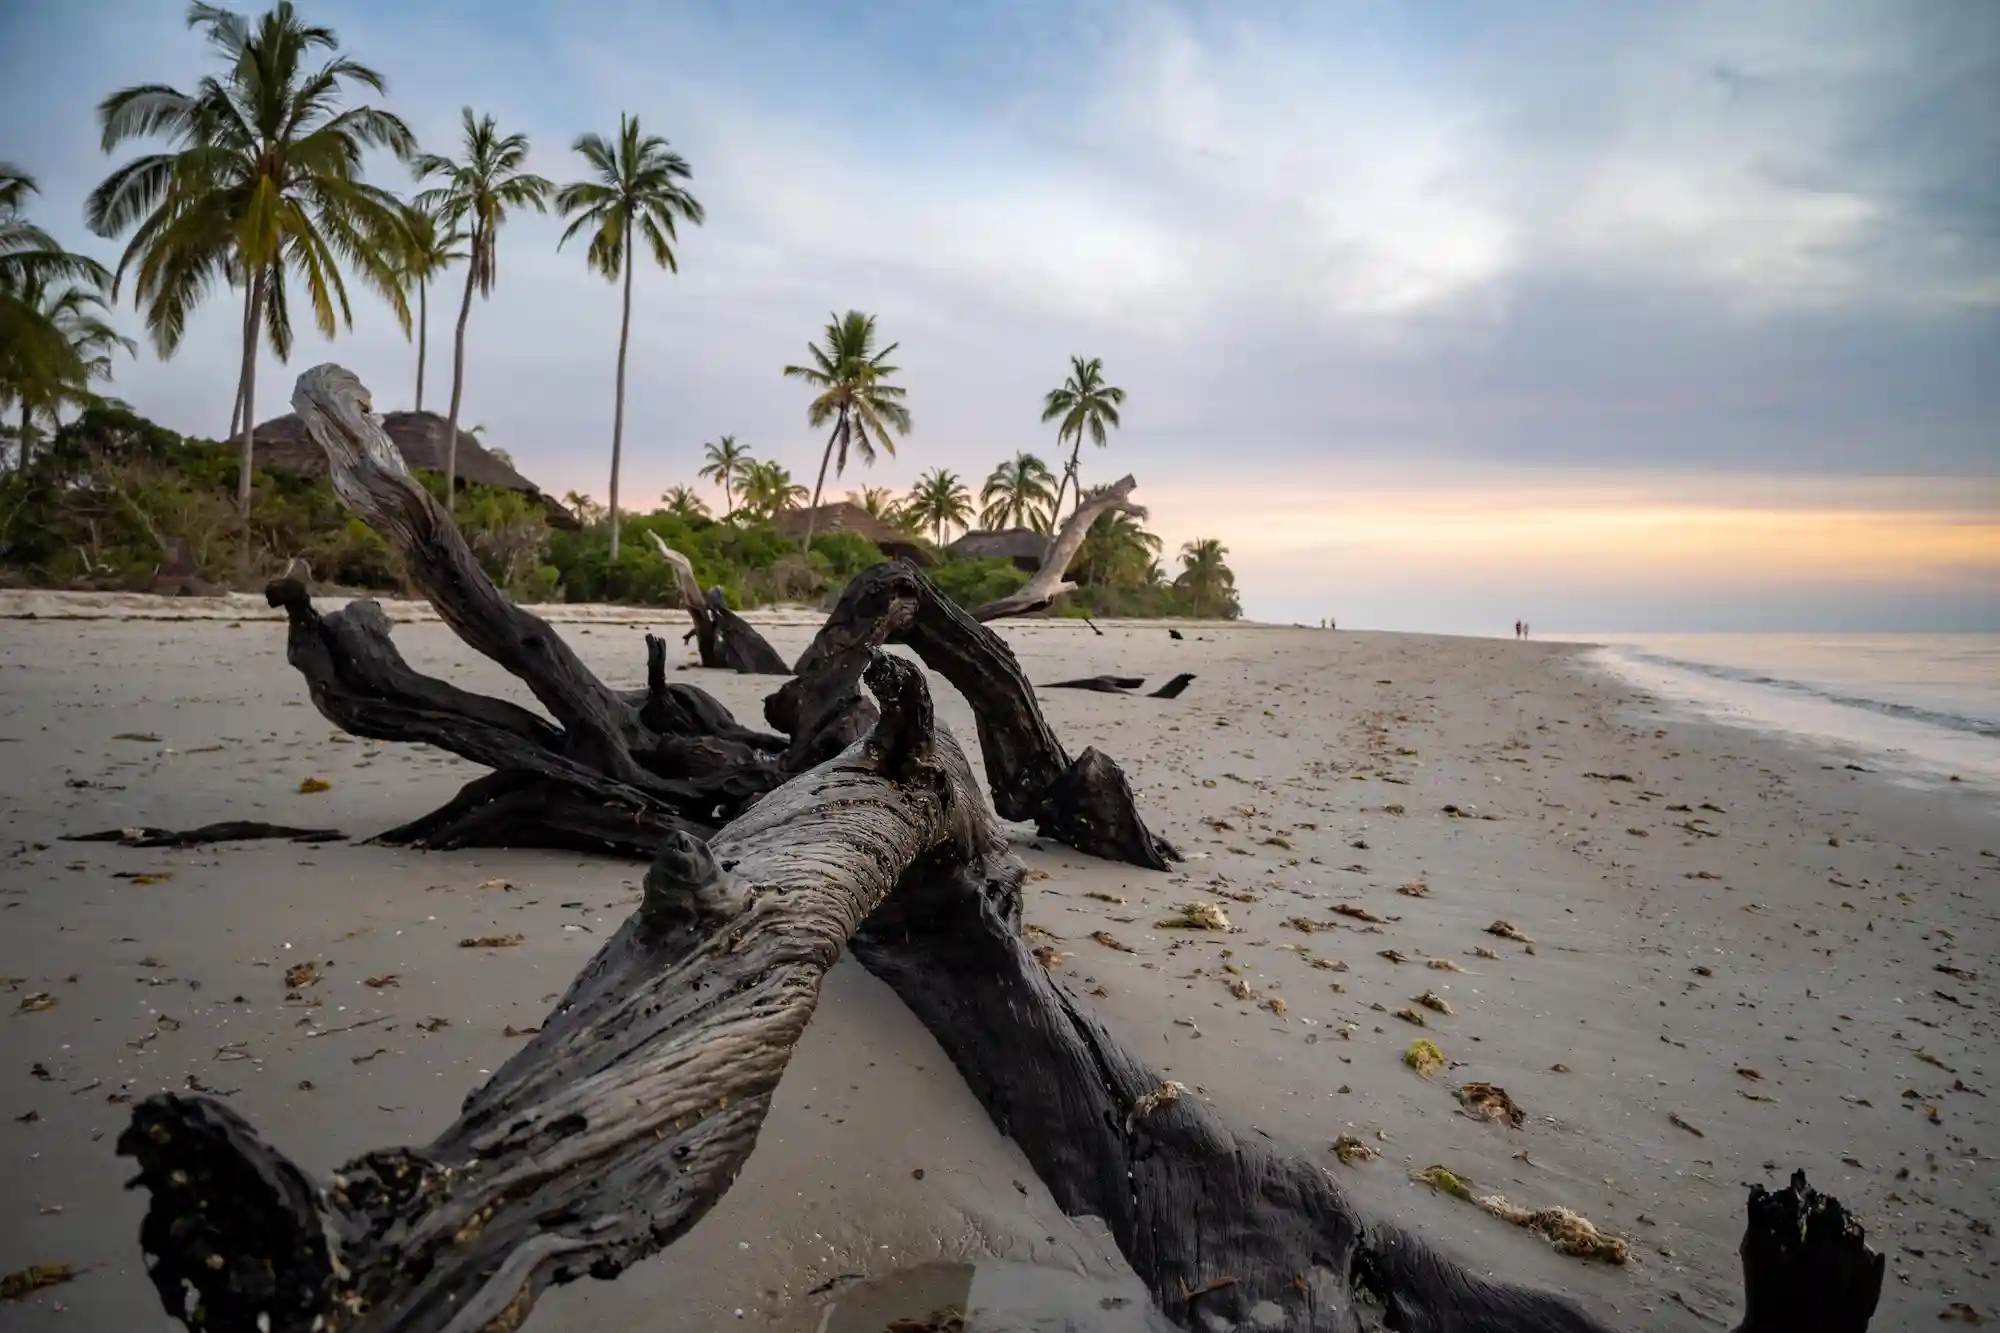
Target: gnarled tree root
x,y
1085,802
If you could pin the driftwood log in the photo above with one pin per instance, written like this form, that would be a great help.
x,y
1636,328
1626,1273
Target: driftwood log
x,y
620,1124
1084,802
1048,581
1124,685
722,638
629,1114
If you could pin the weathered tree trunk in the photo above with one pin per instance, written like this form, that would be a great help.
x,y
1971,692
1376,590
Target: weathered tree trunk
x,y
1048,582
621,1123
1806,1264
1085,802
723,638
1219,1224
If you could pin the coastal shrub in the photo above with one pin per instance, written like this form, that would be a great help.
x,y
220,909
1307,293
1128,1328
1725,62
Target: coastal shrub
x,y
972,583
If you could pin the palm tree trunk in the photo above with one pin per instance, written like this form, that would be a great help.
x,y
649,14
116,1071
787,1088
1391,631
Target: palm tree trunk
x,y
236,408
26,448
1062,486
458,382
423,334
812,516
247,397
618,409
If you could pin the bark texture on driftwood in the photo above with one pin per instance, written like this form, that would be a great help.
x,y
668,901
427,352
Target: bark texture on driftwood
x,y
1215,1222
1806,1264
1048,582
722,638
1084,802
621,1123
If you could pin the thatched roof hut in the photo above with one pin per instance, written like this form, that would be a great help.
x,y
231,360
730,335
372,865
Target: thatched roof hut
x,y
846,516
283,446
1024,546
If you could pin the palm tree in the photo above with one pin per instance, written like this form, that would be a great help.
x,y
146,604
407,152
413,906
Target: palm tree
x,y
1084,402
683,503
1210,585
726,461
1017,493
52,339
938,501
587,510
1117,549
878,502
768,489
424,246
636,192
72,347
854,393
264,180
474,193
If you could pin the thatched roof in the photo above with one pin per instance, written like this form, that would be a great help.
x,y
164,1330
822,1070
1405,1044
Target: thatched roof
x,y
1024,546
283,445
846,516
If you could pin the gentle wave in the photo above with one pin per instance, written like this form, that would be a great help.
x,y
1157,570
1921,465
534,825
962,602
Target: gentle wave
x,y
1978,726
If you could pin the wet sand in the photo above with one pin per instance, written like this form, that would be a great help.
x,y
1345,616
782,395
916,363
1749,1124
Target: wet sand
x,y
1703,902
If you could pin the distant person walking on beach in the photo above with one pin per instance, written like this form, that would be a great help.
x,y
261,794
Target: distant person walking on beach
x,y
1517,629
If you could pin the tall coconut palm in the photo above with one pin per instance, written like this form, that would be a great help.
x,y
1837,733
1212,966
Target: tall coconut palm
x,y
768,489
1206,578
263,180
855,394
683,503
1083,403
423,246
473,194
726,461
1017,494
939,501
635,192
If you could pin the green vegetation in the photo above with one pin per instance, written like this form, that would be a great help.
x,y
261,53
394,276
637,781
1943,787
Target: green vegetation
x,y
253,181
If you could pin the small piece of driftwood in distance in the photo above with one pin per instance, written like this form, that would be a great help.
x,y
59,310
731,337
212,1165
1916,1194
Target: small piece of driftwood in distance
x,y
621,1123
1124,685
1048,582
229,830
722,638
1099,684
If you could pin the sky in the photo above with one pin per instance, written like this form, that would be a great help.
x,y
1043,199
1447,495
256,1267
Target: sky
x,y
1611,316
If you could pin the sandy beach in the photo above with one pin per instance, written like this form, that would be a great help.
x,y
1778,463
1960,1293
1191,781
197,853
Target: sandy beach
x,y
1747,957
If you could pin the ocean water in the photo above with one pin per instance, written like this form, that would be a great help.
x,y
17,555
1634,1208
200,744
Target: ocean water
x,y
1923,707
